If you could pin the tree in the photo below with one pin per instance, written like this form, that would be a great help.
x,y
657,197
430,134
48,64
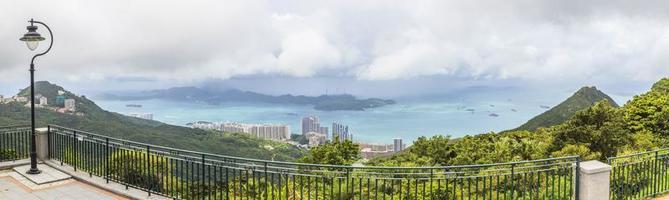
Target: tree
x,y
661,86
648,112
337,152
577,149
477,149
436,150
600,128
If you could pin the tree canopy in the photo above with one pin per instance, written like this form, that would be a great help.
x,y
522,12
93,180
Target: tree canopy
x,y
597,132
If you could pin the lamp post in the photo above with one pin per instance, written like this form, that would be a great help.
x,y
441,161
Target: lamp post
x,y
32,39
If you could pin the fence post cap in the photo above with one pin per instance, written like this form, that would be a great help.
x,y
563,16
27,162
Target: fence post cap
x,y
594,166
41,130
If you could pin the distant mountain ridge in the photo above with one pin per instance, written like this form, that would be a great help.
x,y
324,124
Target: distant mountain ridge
x,y
211,96
97,120
582,99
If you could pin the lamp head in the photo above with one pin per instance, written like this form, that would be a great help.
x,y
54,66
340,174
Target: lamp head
x,y
32,38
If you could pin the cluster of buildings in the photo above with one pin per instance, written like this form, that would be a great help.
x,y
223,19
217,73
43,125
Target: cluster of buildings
x,y
147,116
375,150
13,99
61,103
265,131
312,130
317,134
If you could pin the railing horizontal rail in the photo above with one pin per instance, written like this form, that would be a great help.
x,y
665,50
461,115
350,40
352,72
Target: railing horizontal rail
x,y
184,174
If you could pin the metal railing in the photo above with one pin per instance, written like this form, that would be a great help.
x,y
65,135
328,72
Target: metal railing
x,y
639,176
14,142
183,174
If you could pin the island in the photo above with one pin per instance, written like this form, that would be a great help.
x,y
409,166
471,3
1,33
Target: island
x,y
214,96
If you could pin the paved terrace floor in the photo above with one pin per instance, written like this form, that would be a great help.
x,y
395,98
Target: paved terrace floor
x,y
58,182
13,186
12,189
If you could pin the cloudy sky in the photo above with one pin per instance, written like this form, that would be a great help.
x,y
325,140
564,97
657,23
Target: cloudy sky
x,y
121,44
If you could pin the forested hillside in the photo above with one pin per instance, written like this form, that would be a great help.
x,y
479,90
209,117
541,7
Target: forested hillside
x,y
597,132
582,99
97,120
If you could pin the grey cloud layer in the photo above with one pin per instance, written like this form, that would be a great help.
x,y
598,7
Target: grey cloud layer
x,y
368,40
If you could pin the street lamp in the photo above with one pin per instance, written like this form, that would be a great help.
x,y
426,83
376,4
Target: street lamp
x,y
32,39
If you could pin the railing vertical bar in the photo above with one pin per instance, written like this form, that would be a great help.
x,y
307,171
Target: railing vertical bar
x,y
63,143
89,158
75,151
48,142
202,174
577,181
107,157
513,180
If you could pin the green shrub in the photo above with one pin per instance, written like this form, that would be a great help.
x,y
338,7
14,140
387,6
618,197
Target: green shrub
x,y
8,154
132,167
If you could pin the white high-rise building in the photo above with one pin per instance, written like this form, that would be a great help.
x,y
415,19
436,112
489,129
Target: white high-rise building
x,y
398,146
340,131
323,130
70,105
274,132
43,101
310,124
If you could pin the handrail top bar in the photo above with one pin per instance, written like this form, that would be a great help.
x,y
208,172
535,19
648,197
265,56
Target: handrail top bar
x,y
637,154
16,126
320,165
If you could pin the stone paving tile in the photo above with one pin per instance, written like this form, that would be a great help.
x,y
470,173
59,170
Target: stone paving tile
x,y
48,174
13,189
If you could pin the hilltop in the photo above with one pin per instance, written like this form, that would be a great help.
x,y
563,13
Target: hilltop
x,y
214,96
97,120
584,98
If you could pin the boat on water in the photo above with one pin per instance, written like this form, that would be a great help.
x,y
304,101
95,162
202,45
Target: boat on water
x,y
514,110
493,115
545,107
133,105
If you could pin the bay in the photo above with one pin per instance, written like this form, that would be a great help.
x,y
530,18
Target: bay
x,y
409,119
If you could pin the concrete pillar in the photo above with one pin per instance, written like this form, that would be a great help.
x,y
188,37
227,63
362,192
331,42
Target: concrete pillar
x,y
42,143
594,180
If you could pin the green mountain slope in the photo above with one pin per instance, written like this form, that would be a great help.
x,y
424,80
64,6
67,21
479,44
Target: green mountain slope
x,y
582,99
97,120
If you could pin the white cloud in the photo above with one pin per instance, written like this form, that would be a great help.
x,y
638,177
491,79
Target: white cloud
x,y
368,40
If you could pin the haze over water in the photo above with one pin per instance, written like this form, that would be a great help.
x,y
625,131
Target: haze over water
x,y
409,119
